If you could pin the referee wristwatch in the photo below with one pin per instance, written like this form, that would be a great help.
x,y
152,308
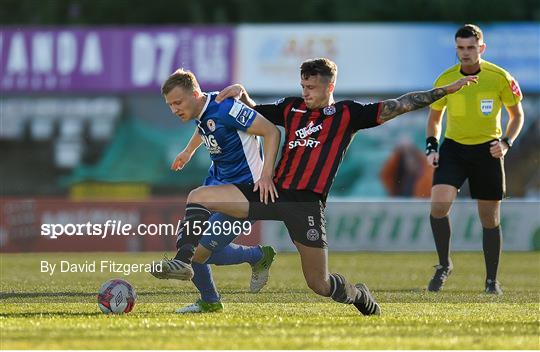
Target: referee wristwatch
x,y
507,141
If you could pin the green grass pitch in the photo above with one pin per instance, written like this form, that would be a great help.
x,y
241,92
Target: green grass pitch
x,y
38,311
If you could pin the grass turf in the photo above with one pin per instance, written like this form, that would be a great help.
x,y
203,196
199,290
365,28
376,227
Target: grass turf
x,y
39,311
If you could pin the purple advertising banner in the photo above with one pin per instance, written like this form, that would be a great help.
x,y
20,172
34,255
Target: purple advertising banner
x,y
108,59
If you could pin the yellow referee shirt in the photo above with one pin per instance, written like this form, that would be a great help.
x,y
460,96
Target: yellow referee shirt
x,y
474,113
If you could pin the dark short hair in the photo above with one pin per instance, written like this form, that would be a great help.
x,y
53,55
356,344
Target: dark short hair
x,y
180,78
468,31
320,66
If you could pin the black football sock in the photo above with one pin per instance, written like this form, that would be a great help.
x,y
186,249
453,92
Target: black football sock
x,y
342,291
441,235
189,234
491,241
185,253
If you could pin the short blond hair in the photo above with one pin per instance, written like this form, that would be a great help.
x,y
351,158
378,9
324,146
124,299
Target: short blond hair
x,y
180,78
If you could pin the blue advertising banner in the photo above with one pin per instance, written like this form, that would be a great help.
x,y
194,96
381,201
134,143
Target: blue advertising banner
x,y
377,58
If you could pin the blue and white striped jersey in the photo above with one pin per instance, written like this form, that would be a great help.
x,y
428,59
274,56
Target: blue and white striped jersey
x,y
236,155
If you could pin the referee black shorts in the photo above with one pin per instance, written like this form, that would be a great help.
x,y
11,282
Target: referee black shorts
x,y
458,162
301,211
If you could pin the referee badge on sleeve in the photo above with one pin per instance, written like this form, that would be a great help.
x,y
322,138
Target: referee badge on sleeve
x,y
486,106
515,88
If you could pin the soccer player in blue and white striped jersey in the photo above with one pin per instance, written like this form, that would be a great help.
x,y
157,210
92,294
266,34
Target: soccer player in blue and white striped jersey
x,y
229,131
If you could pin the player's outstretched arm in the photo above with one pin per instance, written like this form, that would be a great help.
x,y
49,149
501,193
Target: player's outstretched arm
x,y
416,100
238,92
185,155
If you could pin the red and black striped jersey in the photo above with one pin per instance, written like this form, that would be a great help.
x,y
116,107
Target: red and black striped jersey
x,y
316,140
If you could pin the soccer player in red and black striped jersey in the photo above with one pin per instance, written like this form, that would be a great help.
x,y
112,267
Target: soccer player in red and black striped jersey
x,y
318,132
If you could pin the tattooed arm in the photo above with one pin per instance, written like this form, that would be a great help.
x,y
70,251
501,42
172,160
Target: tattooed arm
x,y
416,100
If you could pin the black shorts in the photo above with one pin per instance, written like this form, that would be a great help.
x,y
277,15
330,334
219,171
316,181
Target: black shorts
x,y
458,162
301,211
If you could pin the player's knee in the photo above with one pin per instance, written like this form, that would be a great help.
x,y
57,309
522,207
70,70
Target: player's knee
x,y
440,209
489,221
319,286
489,217
199,195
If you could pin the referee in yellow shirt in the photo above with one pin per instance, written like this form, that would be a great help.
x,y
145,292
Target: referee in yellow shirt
x,y
472,149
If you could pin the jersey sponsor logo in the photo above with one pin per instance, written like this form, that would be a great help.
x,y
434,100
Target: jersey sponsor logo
x,y
313,235
241,113
245,116
329,110
308,130
515,88
310,143
486,106
298,110
211,125
304,133
211,144
279,101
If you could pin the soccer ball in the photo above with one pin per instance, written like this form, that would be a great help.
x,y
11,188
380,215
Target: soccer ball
x,y
116,296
